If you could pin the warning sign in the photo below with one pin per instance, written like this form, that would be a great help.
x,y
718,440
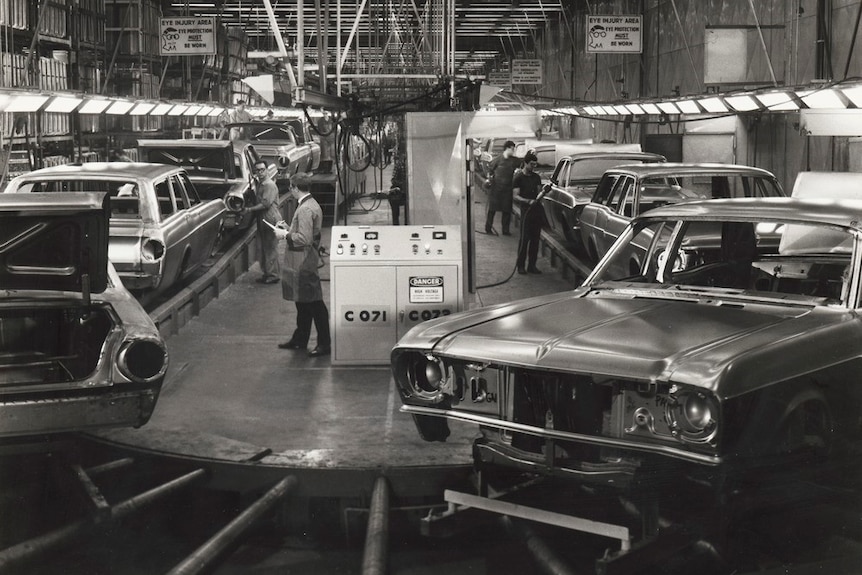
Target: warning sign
x,y
526,71
614,34
426,289
187,36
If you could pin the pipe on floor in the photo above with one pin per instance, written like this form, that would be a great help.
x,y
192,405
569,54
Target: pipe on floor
x,y
32,548
546,558
204,556
374,559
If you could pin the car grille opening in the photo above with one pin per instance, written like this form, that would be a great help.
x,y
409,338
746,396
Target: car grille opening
x,y
564,403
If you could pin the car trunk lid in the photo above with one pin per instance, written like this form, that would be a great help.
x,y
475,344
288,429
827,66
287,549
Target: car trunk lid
x,y
54,242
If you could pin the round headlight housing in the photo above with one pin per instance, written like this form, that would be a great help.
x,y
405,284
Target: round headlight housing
x,y
694,416
427,375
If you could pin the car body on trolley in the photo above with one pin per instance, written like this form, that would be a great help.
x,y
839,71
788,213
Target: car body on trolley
x,y
627,191
160,229
574,181
218,169
720,356
77,351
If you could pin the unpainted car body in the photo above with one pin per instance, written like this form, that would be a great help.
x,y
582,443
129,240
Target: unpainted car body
x,y
77,351
573,184
718,358
160,230
218,169
627,191
285,144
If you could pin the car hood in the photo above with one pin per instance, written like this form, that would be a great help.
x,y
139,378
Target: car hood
x,y
54,242
681,340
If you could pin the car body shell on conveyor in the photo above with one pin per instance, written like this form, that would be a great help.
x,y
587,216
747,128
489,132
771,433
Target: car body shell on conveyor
x,y
77,351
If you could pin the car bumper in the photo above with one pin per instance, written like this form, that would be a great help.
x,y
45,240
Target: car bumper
x,y
77,413
138,281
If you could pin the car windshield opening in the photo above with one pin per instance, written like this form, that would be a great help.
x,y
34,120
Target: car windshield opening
x,y
778,260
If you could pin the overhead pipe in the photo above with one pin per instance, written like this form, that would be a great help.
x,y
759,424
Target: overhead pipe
x,y
374,559
204,556
31,549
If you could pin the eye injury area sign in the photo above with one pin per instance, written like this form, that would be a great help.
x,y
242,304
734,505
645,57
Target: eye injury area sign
x,y
187,36
614,34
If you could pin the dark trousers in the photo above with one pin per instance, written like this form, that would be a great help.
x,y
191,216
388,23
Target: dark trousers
x,y
306,312
505,216
396,212
531,233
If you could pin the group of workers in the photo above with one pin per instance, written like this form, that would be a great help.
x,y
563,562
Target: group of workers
x,y
298,274
512,179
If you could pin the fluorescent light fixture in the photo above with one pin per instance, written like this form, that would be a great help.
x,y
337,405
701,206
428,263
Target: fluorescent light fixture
x,y
205,110
94,106
161,109
63,104
216,111
821,99
26,103
650,108
120,107
622,110
177,110
635,109
688,107
668,108
778,101
854,94
713,105
192,111
142,109
742,103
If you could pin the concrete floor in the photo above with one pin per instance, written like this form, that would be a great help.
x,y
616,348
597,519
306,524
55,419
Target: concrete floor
x,y
231,394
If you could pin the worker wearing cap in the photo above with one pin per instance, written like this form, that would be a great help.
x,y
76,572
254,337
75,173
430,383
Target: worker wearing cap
x,y
499,186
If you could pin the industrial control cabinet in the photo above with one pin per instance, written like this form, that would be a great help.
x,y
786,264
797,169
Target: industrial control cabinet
x,y
385,280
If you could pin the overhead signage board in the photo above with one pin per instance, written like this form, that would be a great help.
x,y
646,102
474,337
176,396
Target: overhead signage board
x,y
501,79
187,36
526,71
614,34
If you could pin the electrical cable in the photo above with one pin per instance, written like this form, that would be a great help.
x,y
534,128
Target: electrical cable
x,y
521,239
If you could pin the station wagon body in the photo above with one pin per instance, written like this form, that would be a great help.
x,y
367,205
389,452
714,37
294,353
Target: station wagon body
x,y
715,358
160,230
218,169
573,184
626,191
77,351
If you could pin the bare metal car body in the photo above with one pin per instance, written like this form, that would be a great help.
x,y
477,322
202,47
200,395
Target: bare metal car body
x,y
715,359
285,144
573,184
218,169
627,191
77,351
161,231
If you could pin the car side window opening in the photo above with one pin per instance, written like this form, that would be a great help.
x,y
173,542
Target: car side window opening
x,y
191,191
604,189
179,193
163,196
619,194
